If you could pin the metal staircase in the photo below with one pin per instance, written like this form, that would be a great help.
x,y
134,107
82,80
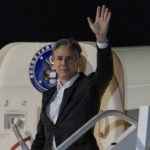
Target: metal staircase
x,y
137,136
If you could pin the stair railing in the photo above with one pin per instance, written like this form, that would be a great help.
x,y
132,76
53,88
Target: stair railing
x,y
91,123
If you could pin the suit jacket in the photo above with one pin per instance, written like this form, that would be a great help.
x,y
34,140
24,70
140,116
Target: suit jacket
x,y
80,103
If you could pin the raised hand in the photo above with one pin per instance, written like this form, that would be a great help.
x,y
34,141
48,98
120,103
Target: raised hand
x,y
101,24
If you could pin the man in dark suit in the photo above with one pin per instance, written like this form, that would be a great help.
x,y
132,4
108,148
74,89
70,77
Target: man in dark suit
x,y
75,99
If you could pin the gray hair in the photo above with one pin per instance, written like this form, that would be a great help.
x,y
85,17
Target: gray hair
x,y
71,43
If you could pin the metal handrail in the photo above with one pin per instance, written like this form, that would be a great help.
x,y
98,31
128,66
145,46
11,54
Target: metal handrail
x,y
19,137
91,123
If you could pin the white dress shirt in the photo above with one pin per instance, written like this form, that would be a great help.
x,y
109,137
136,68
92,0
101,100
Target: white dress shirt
x,y
52,109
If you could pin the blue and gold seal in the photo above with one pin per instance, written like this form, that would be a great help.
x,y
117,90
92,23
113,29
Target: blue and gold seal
x,y
41,70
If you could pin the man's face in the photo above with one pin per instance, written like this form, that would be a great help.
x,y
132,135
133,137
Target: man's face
x,y
66,62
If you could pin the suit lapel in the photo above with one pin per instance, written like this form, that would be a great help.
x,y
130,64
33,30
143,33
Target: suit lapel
x,y
46,99
48,96
65,100
67,96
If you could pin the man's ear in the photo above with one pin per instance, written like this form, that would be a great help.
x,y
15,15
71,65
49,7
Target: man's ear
x,y
52,59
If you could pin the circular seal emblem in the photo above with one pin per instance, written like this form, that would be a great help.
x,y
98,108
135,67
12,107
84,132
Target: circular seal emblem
x,y
41,70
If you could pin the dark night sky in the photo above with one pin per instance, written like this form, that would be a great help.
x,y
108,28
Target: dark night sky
x,y
50,20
